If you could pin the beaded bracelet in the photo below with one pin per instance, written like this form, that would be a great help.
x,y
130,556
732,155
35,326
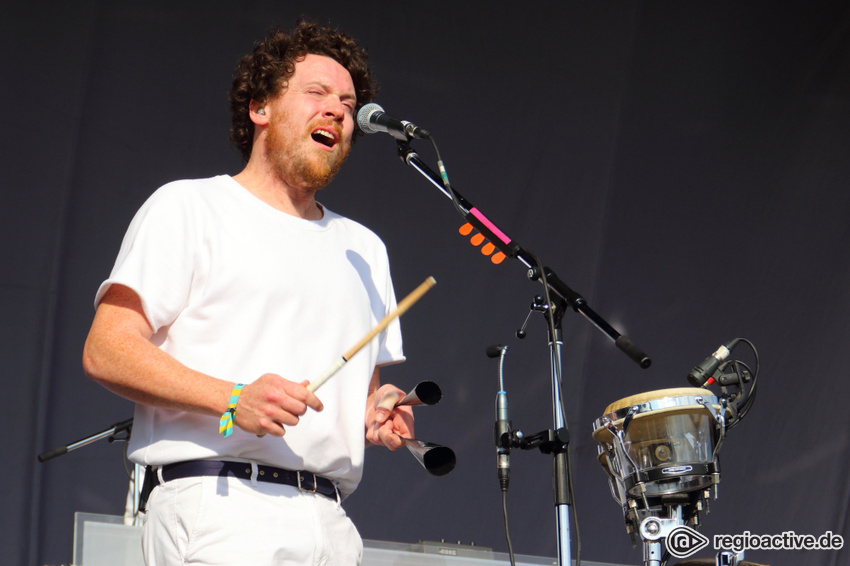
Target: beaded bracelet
x,y
225,425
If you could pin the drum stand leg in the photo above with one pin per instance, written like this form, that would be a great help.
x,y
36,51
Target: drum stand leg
x,y
652,553
653,530
729,558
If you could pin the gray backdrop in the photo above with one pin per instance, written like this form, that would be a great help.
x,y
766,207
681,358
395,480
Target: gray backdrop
x,y
683,165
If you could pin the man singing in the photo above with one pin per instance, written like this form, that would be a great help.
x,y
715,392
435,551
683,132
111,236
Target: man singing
x,y
228,295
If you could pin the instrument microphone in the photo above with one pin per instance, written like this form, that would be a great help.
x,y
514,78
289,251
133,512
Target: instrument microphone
x,y
703,371
372,119
502,430
496,350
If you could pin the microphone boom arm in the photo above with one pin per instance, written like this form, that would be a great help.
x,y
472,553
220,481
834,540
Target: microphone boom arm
x,y
511,249
107,433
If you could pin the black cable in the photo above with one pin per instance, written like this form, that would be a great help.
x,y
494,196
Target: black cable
x,y
444,175
507,531
575,510
749,395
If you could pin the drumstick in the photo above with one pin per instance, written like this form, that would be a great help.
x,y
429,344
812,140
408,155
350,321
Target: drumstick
x,y
402,307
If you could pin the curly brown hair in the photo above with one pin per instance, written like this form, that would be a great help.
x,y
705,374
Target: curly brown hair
x,y
264,73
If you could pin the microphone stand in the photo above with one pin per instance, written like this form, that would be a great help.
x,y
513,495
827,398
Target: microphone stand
x,y
123,426
556,441
559,296
131,508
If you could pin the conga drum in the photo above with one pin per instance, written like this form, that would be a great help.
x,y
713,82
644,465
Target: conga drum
x,y
660,443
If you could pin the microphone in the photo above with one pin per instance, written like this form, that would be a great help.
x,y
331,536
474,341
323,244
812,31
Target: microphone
x,y
703,371
502,429
372,119
503,440
496,350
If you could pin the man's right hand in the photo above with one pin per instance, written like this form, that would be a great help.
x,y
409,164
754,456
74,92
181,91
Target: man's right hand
x,y
272,402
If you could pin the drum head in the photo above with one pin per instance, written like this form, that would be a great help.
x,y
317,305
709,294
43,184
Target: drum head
x,y
657,403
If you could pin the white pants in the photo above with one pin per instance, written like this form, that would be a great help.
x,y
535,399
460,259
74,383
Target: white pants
x,y
214,521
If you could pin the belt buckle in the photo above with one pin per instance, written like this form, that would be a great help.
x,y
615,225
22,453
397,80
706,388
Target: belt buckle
x,y
315,483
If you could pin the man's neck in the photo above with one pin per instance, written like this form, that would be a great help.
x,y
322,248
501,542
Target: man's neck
x,y
275,192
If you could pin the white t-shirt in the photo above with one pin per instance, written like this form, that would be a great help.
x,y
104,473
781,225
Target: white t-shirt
x,y
236,288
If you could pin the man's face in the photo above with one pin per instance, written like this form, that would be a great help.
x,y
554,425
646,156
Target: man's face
x,y
311,123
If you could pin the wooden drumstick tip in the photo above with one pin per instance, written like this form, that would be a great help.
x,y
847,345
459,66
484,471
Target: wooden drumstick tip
x,y
417,293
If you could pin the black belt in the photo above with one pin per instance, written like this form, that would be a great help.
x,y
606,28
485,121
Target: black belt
x,y
304,481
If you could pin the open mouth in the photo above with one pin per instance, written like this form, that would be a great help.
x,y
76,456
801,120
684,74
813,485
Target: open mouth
x,y
324,137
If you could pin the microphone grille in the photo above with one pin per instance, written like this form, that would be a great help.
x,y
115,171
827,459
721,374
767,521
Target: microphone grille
x,y
495,350
364,117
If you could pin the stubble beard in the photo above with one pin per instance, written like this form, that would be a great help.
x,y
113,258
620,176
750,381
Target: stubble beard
x,y
297,163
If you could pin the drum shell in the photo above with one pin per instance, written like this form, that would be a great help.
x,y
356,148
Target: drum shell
x,y
670,441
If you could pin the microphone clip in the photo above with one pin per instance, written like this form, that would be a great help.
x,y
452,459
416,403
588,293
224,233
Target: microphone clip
x,y
505,437
737,377
548,441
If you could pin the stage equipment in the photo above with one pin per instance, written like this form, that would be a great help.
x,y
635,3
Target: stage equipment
x,y
496,245
136,475
502,429
702,372
660,451
658,446
104,540
109,434
372,119
725,558
736,380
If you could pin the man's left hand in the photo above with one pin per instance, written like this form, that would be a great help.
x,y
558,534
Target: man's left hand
x,y
387,424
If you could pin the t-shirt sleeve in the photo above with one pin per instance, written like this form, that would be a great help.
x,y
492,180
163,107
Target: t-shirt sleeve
x,y
390,350
159,256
